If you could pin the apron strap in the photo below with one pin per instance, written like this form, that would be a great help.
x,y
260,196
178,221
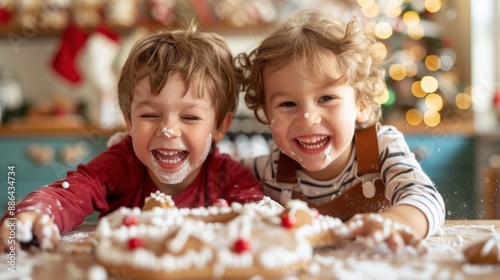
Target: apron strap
x,y
366,143
286,169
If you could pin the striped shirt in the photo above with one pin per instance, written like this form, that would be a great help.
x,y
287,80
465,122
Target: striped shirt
x,y
402,175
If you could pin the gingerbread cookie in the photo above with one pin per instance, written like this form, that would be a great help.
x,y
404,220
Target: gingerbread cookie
x,y
484,252
219,241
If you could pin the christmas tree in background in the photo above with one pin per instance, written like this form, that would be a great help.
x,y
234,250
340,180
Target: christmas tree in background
x,y
422,86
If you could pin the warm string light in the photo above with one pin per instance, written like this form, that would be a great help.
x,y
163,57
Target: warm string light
x,y
417,69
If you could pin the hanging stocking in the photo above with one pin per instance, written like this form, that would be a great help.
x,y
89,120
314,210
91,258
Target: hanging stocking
x,y
97,57
5,15
72,41
96,63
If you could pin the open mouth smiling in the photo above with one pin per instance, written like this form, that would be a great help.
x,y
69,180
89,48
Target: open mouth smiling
x,y
169,157
313,142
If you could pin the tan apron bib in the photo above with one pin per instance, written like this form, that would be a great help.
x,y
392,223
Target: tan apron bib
x,y
364,197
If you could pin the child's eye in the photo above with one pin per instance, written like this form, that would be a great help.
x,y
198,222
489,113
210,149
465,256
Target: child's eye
x,y
148,116
325,98
191,118
287,104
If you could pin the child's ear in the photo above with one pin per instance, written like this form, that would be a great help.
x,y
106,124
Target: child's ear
x,y
128,123
223,127
363,114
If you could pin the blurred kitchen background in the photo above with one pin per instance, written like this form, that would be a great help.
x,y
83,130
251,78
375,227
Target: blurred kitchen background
x,y
60,59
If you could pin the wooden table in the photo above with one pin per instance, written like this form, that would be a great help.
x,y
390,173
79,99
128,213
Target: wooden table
x,y
349,260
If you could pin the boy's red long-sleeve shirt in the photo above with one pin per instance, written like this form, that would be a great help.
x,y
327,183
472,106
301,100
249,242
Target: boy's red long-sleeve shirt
x,y
116,178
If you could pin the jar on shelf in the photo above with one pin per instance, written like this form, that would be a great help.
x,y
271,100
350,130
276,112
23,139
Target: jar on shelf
x,y
11,95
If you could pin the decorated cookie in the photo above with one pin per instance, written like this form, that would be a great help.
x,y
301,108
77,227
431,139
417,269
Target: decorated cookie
x,y
484,252
219,241
158,199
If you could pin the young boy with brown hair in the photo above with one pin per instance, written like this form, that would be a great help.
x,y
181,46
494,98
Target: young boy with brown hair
x,y
178,93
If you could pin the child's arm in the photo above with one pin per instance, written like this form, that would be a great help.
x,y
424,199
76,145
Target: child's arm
x,y
410,216
68,201
418,208
25,227
399,226
53,209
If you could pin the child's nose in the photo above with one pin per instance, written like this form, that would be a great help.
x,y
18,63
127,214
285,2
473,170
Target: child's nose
x,y
168,130
308,118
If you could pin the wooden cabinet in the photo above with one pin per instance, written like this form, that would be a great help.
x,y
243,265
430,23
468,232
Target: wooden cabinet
x,y
487,171
69,150
448,160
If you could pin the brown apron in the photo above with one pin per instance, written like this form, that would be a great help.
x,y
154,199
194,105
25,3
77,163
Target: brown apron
x,y
352,201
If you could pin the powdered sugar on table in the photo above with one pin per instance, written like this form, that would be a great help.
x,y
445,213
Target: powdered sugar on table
x,y
444,258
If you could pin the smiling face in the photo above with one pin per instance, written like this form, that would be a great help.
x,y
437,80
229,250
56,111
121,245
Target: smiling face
x,y
312,122
172,132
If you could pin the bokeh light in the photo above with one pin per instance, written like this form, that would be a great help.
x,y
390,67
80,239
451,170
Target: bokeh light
x,y
434,102
447,58
397,72
405,57
433,6
411,18
416,32
432,62
429,84
383,30
463,101
370,9
394,10
417,90
432,118
391,97
414,117
382,99
411,70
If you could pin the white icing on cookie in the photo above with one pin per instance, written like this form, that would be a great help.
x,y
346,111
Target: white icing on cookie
x,y
169,233
161,197
489,247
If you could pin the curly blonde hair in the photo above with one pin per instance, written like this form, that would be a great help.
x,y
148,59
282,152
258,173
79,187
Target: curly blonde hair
x,y
202,59
310,39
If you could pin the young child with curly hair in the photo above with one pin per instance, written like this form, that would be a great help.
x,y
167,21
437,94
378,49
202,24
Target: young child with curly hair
x,y
315,82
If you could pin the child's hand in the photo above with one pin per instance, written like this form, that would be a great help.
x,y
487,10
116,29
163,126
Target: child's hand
x,y
377,229
28,227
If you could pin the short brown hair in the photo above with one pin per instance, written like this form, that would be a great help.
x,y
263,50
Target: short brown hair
x,y
202,59
309,39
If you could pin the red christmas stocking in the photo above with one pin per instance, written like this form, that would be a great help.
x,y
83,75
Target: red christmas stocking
x,y
72,40
96,58
5,15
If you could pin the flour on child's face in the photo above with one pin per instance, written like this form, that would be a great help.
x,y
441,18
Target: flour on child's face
x,y
179,175
166,131
310,121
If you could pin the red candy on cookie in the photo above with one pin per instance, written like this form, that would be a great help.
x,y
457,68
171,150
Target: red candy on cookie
x,y
288,221
242,245
135,242
221,202
130,220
